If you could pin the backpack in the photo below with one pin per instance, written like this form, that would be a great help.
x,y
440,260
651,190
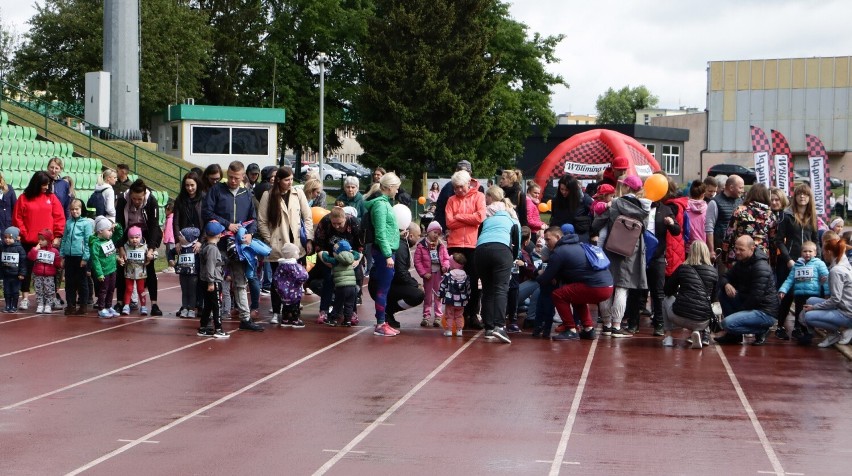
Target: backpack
x,y
596,257
97,202
365,228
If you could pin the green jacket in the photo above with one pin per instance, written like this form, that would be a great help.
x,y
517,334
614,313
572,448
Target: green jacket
x,y
356,202
384,225
103,264
342,271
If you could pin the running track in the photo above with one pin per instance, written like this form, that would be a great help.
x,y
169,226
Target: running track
x,y
146,396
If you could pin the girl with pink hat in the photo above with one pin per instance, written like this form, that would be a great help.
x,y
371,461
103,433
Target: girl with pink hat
x,y
431,260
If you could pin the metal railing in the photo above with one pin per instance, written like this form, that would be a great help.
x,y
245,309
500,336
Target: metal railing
x,y
107,147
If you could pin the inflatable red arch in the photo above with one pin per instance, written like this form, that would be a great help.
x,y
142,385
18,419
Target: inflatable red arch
x,y
587,153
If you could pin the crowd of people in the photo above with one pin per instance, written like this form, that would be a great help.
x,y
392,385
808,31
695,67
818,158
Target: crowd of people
x,y
709,258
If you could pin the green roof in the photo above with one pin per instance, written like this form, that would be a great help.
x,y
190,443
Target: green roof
x,y
189,112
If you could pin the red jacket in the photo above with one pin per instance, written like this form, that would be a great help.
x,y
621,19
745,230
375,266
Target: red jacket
x,y
34,215
45,269
676,245
464,215
423,258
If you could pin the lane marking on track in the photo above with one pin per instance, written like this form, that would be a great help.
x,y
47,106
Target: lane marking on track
x,y
758,428
353,451
572,415
149,441
551,462
209,406
22,318
773,472
72,338
393,408
111,372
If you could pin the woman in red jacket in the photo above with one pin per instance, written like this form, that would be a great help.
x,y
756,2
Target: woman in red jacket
x,y
36,210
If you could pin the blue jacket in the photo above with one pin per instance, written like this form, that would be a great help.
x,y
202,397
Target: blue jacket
x,y
75,241
226,208
11,270
7,205
501,228
808,281
62,190
568,264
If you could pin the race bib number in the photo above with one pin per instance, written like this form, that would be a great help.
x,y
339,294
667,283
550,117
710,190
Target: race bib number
x,y
433,255
46,257
108,247
11,259
186,259
136,255
804,274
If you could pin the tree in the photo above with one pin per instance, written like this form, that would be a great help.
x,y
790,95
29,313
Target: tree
x,y
8,44
619,107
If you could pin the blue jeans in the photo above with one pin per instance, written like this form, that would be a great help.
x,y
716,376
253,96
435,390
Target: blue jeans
x,y
544,308
382,276
254,292
828,319
267,275
740,321
527,290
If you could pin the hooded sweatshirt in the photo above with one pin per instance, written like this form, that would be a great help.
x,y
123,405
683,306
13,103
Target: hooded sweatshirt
x,y
103,253
342,271
696,210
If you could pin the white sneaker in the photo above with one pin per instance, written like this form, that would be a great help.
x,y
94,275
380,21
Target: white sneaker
x,y
458,333
696,340
448,333
39,309
24,304
184,312
846,337
47,310
190,314
668,341
274,319
830,340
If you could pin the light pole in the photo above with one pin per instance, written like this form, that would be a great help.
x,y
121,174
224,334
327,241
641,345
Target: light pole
x,y
322,59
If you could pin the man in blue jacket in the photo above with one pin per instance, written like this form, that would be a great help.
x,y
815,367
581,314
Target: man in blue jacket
x,y
230,204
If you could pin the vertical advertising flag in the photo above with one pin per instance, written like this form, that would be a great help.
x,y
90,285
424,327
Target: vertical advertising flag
x,y
818,165
762,161
783,160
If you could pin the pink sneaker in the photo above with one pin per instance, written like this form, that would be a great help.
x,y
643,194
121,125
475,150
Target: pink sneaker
x,y
354,321
322,318
384,330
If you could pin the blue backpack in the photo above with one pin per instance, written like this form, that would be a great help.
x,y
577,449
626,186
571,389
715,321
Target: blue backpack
x,y
596,257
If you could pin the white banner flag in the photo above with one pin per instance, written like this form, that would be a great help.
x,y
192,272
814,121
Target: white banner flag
x,y
817,167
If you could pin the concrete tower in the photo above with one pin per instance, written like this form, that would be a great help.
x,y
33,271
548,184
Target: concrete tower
x,y
121,60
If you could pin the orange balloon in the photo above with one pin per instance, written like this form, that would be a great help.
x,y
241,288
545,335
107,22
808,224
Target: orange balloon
x,y
542,207
317,213
656,187
421,200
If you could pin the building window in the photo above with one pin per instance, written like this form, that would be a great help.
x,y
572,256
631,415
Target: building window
x,y
227,140
175,138
652,148
647,119
671,159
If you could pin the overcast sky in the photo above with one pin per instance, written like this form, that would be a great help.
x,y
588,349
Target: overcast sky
x,y
663,44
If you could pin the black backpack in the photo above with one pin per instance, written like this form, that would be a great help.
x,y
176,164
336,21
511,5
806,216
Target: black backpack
x,y
365,228
97,202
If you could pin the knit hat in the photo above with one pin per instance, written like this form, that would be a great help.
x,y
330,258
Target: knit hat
x,y
190,234
134,232
341,246
632,182
14,231
620,163
836,222
605,189
350,211
289,251
46,234
567,229
434,226
213,228
102,223
455,264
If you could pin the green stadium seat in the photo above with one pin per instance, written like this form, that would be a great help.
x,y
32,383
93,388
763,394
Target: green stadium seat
x,y
4,118
4,132
5,146
70,150
5,162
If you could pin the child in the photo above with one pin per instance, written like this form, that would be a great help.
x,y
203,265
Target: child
x,y
14,260
808,278
75,252
212,275
169,236
289,280
46,263
603,198
431,261
455,293
104,263
345,284
136,258
187,268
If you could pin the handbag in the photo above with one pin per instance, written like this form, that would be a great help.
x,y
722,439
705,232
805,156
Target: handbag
x,y
624,236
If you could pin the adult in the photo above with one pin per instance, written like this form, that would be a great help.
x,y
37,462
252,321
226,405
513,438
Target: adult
x,y
252,176
752,218
533,218
834,315
711,186
267,174
465,211
138,207
777,204
351,197
35,210
581,284
60,188
231,205
123,181
188,205
333,227
510,182
749,297
106,183
616,171
7,203
628,272
282,215
797,225
405,292
719,211
690,292
212,175
572,206
447,191
321,198
497,248
696,212
434,192
374,191
314,193
385,244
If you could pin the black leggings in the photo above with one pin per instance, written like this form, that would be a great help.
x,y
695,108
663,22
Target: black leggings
x,y
76,282
211,306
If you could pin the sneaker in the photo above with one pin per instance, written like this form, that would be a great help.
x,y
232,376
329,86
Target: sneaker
x,y
134,305
631,329
830,340
125,311
459,333
248,325
668,341
393,323
489,334
47,309
190,313
448,333
331,322
355,320
143,311
384,330
781,333
24,304
346,323
40,309
308,291
220,334
424,322
264,291
845,337
297,324
567,335
760,338
322,317
104,314
619,333
204,332
182,313
155,310
705,338
561,328
274,320
587,335
658,329
501,335
436,322
696,340
606,331
114,312
58,303
513,329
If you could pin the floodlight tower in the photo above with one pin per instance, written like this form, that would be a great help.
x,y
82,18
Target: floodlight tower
x,y
121,60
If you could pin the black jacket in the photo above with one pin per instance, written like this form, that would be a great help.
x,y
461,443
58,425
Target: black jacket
x,y
660,227
151,214
694,288
754,281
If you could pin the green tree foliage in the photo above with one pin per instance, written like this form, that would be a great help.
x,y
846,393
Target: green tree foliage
x,y
619,107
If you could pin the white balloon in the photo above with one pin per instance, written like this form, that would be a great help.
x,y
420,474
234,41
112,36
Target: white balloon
x,y
403,216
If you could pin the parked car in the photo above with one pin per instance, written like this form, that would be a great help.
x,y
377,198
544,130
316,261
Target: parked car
x,y
804,175
350,169
746,173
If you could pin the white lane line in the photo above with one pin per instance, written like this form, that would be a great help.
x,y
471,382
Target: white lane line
x,y
107,374
72,338
209,406
22,318
758,428
572,415
393,408
152,442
